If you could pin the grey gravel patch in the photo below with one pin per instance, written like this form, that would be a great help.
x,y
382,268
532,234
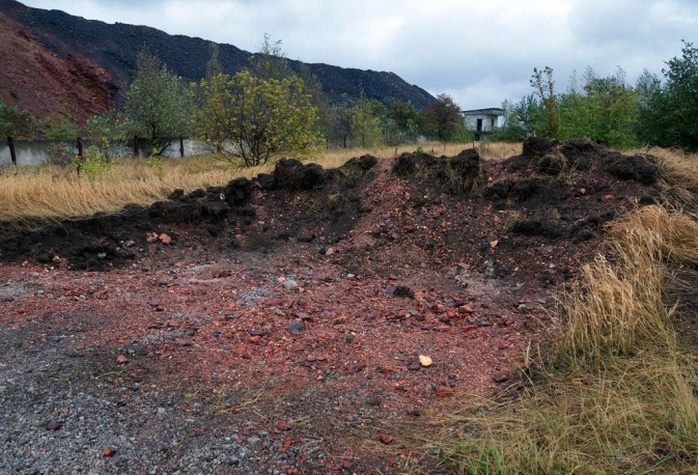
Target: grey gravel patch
x,y
60,413
14,291
253,295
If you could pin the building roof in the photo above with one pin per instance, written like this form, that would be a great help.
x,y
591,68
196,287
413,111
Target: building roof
x,y
488,111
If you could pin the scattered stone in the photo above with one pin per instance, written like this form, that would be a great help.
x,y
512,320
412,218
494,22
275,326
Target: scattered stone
x,y
122,359
290,284
374,400
53,425
414,366
385,437
283,425
425,361
500,378
152,238
164,238
242,351
296,327
444,391
303,316
466,309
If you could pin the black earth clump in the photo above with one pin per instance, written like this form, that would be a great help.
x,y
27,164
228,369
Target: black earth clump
x,y
538,146
552,164
551,188
534,227
291,174
548,167
640,168
101,242
455,175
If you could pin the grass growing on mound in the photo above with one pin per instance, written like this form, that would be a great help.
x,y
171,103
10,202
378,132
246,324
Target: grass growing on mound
x,y
53,192
617,393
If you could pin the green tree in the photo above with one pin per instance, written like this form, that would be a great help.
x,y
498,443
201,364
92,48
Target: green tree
x,y
544,86
158,106
340,120
445,121
108,131
15,124
60,128
613,106
678,103
409,122
520,120
650,126
605,110
270,62
256,119
367,120
213,66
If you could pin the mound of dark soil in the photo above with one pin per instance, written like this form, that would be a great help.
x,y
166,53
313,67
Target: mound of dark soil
x,y
101,242
454,175
552,193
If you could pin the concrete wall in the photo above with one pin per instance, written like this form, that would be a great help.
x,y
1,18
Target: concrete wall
x,y
39,152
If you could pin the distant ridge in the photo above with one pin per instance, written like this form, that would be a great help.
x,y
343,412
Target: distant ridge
x,y
110,51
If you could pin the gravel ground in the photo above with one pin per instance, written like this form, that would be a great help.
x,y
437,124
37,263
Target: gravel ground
x,y
60,416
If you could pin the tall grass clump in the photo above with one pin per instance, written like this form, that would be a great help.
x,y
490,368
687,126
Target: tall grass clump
x,y
615,393
677,174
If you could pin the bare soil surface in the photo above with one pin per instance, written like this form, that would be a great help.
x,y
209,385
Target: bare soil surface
x,y
276,325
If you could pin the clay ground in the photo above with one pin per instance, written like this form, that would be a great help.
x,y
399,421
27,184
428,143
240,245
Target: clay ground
x,y
276,325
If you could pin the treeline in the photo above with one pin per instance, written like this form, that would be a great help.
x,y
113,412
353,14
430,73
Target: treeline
x,y
656,111
264,111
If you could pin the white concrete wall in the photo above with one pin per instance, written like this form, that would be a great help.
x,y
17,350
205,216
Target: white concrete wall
x,y
38,152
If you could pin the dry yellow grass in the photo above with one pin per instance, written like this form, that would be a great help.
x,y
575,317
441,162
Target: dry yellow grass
x,y
616,394
487,150
51,192
678,175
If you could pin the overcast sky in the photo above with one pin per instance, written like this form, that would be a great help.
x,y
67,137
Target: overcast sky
x,y
478,52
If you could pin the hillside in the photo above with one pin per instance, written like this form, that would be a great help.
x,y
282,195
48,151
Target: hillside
x,y
42,82
110,50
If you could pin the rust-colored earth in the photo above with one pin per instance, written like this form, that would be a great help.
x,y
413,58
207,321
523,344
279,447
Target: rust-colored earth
x,y
285,320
